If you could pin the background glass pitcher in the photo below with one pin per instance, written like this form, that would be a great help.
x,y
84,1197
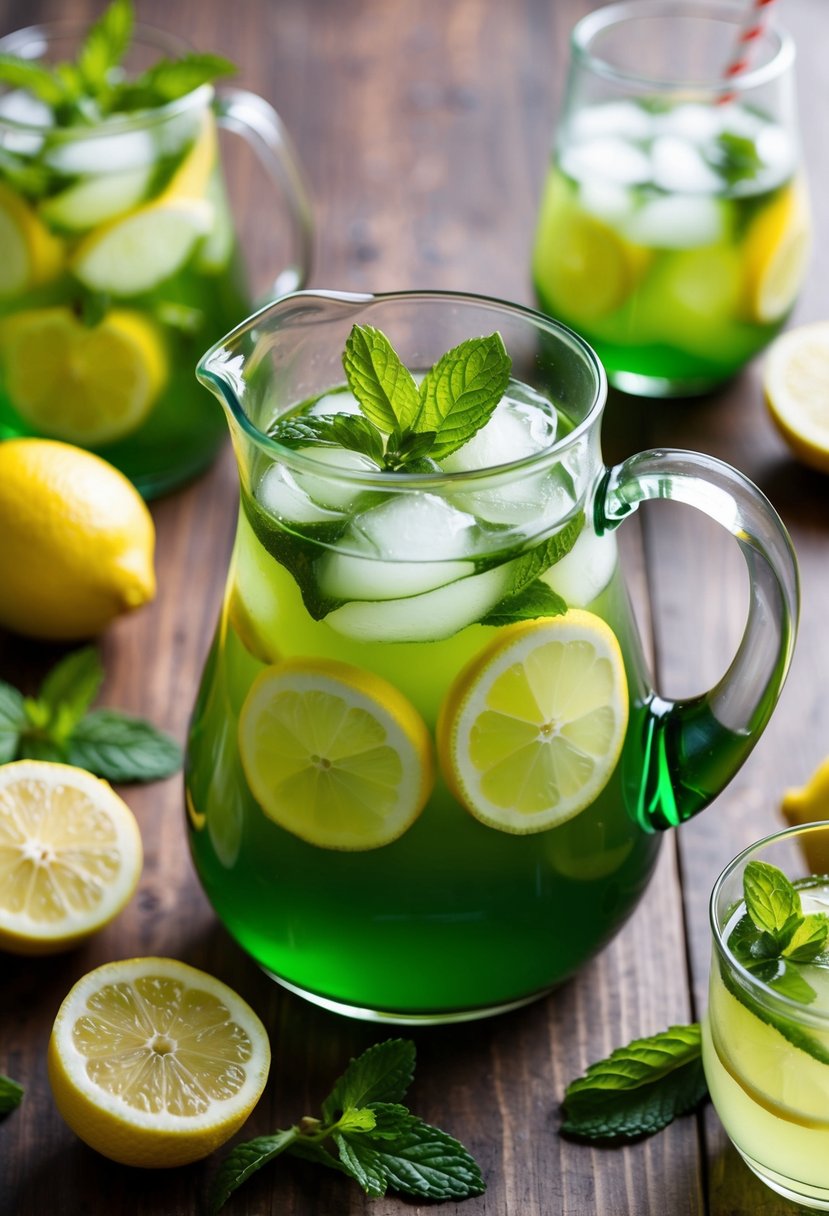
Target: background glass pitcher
x,y
121,263
426,738
673,229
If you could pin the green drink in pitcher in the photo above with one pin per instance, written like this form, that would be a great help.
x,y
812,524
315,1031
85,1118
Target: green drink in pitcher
x,y
426,764
120,259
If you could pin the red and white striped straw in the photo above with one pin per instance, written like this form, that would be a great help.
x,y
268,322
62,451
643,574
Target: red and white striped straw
x,y
751,30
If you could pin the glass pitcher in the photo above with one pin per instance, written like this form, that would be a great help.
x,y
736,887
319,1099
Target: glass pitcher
x,y
673,230
121,263
426,738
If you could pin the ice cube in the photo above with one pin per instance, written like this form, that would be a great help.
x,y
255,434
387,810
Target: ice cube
x,y
282,498
774,147
335,403
103,153
605,200
624,118
692,121
510,434
411,543
679,167
21,107
677,221
424,618
329,491
612,160
585,571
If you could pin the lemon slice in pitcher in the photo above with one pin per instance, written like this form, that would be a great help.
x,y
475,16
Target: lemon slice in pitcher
x,y
532,728
334,754
776,252
155,1064
31,255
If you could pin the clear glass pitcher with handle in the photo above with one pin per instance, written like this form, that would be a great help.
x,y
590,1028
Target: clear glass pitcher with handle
x,y
121,261
427,768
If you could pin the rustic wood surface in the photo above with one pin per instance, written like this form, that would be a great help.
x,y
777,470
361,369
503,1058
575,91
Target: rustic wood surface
x,y
424,129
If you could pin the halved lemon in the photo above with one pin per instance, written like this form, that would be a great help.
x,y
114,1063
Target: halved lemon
x,y
796,387
70,856
31,255
87,385
334,753
809,803
153,1063
776,252
530,732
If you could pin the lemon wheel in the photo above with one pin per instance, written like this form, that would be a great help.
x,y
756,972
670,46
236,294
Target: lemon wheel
x,y
334,754
31,255
70,856
531,731
796,387
776,252
153,1063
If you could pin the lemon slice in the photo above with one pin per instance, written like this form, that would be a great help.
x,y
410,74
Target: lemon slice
x,y
192,177
776,252
334,754
86,385
153,1063
532,728
809,804
31,255
796,386
70,856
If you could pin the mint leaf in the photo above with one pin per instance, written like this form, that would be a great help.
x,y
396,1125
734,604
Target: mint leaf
x,y
788,981
808,939
361,1163
122,748
170,79
33,77
351,431
244,1160
790,1031
11,1095
638,1089
416,1158
409,450
736,157
533,601
772,902
525,569
13,721
34,747
383,1073
385,389
71,686
105,44
461,391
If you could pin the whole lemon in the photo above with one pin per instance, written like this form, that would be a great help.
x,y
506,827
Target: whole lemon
x,y
76,541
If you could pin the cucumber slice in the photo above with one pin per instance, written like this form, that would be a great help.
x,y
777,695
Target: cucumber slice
x,y
97,199
134,254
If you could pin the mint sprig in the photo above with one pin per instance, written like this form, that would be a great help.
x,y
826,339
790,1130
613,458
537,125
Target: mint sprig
x,y
58,725
11,1095
366,1133
638,1089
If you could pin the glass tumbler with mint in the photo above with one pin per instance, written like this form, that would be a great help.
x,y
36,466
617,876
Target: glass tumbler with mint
x,y
120,260
673,229
427,768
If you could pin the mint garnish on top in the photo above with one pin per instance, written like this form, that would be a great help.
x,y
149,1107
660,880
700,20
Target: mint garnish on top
x,y
95,86
403,426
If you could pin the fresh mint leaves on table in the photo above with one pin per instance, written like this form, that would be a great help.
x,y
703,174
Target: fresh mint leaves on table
x,y
94,86
366,1133
11,1095
404,427
59,725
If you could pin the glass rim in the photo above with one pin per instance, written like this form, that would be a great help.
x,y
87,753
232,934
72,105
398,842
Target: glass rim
x,y
797,1012
209,372
589,26
147,35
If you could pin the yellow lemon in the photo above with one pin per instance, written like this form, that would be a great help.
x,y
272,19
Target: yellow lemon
x,y
776,251
796,387
89,385
334,754
192,177
155,1064
808,804
31,255
77,541
70,856
531,731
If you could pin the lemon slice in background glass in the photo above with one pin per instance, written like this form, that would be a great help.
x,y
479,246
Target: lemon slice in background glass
x,y
88,385
334,754
30,254
154,1064
532,728
70,856
776,251
796,387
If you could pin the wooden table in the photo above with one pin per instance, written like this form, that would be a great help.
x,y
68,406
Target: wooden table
x,y
424,128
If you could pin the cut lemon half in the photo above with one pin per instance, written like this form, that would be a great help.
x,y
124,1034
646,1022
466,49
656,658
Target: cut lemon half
x,y
70,856
153,1063
87,385
796,387
334,754
31,255
532,728
776,252
809,803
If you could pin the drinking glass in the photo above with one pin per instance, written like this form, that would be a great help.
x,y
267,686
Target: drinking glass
x,y
766,1055
673,230
121,263
427,767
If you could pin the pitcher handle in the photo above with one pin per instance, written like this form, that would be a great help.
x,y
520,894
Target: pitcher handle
x,y
258,123
692,748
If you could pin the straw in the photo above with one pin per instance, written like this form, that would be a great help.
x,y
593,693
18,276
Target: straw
x,y
751,30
